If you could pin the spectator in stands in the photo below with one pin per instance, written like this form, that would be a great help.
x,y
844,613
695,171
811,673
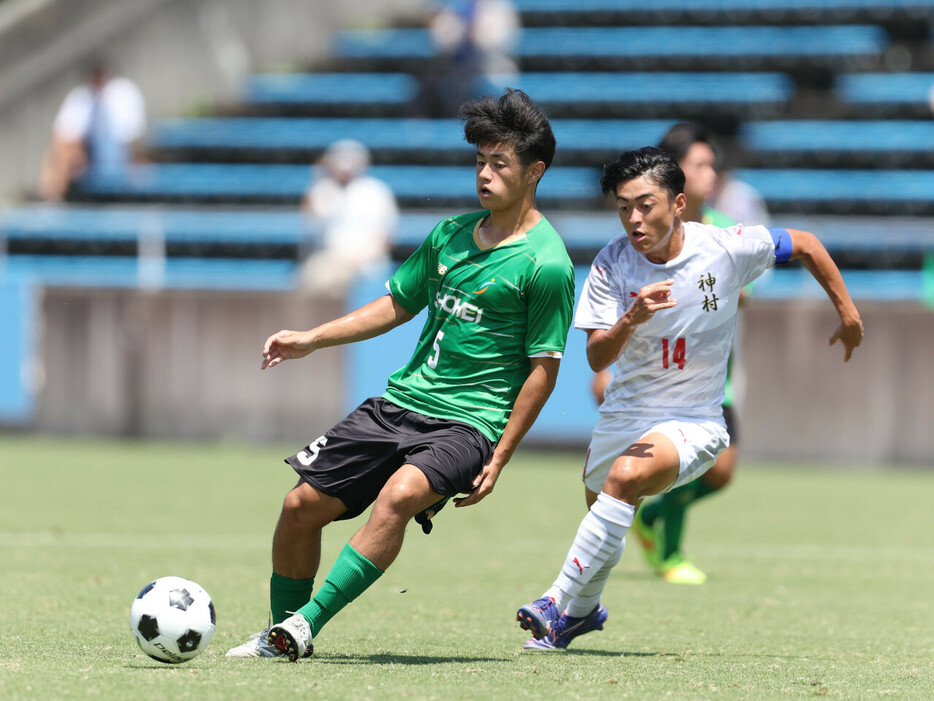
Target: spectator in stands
x,y
474,41
99,126
353,218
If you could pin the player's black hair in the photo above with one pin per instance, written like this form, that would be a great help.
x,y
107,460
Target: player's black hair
x,y
680,137
512,119
660,167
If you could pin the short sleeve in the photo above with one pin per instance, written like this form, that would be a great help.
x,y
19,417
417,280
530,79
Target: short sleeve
x,y
753,249
128,109
409,284
550,305
599,306
74,116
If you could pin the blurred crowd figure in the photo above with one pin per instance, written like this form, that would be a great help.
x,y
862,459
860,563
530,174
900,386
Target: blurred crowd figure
x,y
474,43
352,219
99,126
738,200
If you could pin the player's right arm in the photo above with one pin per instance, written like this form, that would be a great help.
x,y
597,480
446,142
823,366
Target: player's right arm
x,y
604,346
373,319
811,252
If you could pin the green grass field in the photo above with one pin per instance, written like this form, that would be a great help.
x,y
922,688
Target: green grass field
x,y
821,584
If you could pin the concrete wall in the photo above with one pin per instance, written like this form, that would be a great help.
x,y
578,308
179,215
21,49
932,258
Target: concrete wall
x,y
186,364
184,54
181,365
802,400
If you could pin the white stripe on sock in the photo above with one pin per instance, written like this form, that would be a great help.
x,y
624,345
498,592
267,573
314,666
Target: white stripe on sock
x,y
599,537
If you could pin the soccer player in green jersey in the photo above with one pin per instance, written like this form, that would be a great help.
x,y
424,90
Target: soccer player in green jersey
x,y
499,289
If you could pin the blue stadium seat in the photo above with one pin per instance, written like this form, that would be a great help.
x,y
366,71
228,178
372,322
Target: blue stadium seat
x,y
724,7
593,230
892,88
597,87
263,182
128,224
871,285
330,88
896,191
126,271
883,136
724,41
388,133
838,190
674,88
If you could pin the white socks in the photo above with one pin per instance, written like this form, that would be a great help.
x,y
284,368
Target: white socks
x,y
596,549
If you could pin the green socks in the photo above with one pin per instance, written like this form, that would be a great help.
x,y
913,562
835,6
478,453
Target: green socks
x,y
350,576
287,594
671,508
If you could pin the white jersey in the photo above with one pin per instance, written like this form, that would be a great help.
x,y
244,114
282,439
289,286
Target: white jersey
x,y
675,364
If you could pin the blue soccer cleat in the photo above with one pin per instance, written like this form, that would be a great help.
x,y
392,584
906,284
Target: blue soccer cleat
x,y
566,628
538,617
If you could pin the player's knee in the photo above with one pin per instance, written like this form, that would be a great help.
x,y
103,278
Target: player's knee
x,y
718,479
298,507
719,476
625,481
399,498
402,498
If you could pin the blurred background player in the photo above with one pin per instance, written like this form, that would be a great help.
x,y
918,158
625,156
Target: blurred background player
x,y
353,219
660,522
99,126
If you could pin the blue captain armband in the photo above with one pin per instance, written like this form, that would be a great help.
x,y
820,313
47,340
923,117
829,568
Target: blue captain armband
x,y
783,248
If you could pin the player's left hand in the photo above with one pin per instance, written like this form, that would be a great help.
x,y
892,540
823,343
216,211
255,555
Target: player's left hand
x,y
850,335
482,485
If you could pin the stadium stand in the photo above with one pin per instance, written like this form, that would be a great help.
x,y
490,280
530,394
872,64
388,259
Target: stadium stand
x,y
388,139
573,48
806,97
888,94
571,12
875,143
598,94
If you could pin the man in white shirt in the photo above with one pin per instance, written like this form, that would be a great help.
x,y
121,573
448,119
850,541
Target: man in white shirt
x,y
99,126
660,302
354,217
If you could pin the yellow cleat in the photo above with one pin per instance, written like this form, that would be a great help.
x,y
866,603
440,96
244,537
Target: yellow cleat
x,y
677,570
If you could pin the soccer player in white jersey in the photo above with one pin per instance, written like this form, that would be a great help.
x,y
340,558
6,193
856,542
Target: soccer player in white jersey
x,y
498,285
660,302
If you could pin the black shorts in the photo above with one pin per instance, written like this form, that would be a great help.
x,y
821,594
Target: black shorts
x,y
731,427
357,456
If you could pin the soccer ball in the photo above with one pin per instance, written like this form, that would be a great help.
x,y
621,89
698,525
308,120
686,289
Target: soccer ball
x,y
172,619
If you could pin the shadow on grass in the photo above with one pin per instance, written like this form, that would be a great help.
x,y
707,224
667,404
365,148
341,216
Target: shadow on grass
x,y
672,655
389,658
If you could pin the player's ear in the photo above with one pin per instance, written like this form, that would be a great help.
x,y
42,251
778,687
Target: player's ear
x,y
680,203
536,170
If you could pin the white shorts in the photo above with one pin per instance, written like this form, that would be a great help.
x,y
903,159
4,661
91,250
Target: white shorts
x,y
699,442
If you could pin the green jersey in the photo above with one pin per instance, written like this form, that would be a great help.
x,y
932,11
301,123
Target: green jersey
x,y
489,311
718,218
